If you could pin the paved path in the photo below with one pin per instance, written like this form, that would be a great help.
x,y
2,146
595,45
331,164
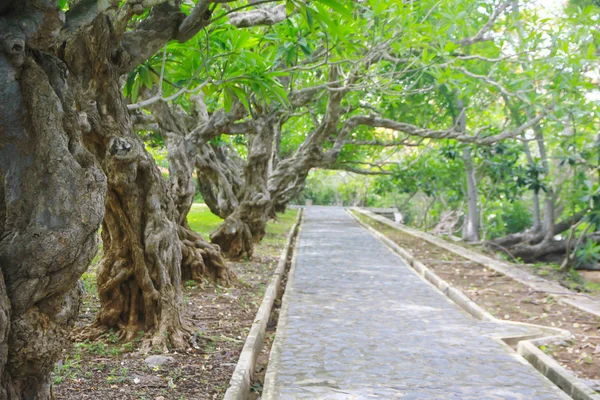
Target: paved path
x,y
357,323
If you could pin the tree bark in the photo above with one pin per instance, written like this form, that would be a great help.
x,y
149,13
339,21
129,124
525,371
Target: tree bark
x,y
288,180
139,278
51,204
220,178
201,260
5,380
246,225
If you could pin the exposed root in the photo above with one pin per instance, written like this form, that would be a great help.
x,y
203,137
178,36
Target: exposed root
x,y
202,260
234,237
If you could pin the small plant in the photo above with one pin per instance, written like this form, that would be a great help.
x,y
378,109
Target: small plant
x,y
190,284
256,387
587,254
66,370
588,359
127,347
112,337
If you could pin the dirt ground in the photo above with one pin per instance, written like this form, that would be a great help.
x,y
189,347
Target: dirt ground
x,y
220,318
507,299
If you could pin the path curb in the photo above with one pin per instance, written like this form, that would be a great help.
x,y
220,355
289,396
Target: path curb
x,y
269,386
527,345
535,282
239,385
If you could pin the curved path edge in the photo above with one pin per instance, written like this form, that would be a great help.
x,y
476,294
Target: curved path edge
x,y
239,385
527,345
535,282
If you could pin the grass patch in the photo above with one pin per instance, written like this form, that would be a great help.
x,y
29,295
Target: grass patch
x,y
202,220
276,230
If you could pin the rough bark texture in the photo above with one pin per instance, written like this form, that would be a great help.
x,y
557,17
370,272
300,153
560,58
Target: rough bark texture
x,y
246,225
51,203
139,278
220,178
201,260
4,332
288,179
242,199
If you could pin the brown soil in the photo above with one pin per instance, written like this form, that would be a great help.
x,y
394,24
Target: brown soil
x,y
591,276
508,299
220,319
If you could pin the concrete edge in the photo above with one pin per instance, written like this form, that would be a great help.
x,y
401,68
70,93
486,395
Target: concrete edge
x,y
569,383
524,277
527,345
239,384
269,386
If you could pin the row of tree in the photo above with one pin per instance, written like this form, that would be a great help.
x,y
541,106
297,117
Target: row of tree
x,y
249,97
534,196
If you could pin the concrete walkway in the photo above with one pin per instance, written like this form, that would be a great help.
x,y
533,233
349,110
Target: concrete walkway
x,y
357,323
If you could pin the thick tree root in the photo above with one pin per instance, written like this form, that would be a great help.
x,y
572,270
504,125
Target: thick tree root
x,y
239,232
234,237
202,260
131,312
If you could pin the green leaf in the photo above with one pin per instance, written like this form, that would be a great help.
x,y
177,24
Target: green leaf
x,y
309,17
145,77
591,50
135,90
289,7
129,83
334,5
227,100
279,92
240,94
304,46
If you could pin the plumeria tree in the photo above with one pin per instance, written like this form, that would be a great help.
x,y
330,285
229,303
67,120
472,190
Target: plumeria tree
x,y
253,96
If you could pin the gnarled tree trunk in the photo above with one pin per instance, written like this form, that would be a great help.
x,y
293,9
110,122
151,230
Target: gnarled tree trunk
x,y
220,178
139,278
5,381
201,260
246,225
288,179
51,204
